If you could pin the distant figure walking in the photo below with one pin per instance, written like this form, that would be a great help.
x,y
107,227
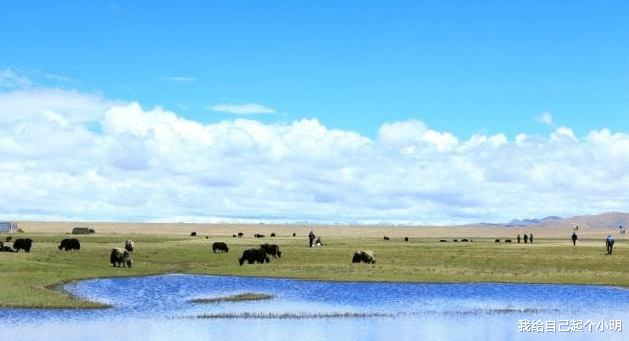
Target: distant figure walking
x,y
311,237
518,238
526,238
609,242
531,238
574,238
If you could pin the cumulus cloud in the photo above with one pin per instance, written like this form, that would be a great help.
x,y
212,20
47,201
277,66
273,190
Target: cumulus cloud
x,y
154,165
244,109
73,105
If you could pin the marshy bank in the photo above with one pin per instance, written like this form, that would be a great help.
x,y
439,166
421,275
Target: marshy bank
x,y
233,298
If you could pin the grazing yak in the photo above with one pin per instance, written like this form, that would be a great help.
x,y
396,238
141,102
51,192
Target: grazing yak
x,y
271,249
5,248
240,234
129,245
386,238
221,246
120,256
23,243
193,234
70,244
253,255
364,256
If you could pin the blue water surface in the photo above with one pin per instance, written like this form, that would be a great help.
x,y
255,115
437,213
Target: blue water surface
x,y
157,308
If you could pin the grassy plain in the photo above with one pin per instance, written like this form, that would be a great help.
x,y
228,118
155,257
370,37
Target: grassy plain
x,y
30,280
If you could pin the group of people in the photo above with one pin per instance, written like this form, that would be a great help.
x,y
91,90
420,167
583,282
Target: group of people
x,y
609,241
527,238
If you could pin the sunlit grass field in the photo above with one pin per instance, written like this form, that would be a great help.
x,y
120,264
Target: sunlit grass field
x,y
31,280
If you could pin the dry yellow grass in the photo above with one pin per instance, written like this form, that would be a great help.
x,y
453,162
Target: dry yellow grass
x,y
464,231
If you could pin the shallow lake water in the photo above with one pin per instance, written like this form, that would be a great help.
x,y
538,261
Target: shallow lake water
x,y
157,308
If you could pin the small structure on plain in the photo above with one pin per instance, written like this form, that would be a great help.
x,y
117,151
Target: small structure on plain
x,y
8,227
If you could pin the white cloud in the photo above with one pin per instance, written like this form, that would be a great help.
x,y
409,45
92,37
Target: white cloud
x,y
244,109
76,107
401,132
153,165
546,118
179,79
563,133
10,79
58,77
413,132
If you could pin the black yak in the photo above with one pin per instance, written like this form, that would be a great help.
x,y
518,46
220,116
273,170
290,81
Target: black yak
x,y
271,249
364,256
221,246
253,255
70,244
23,243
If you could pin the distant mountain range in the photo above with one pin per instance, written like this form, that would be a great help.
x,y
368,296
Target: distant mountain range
x,y
526,222
608,219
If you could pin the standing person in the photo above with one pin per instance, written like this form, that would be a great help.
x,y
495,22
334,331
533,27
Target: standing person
x,y
311,237
574,238
526,238
518,238
609,242
531,238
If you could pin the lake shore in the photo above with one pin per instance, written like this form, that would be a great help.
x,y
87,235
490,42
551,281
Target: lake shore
x,y
28,278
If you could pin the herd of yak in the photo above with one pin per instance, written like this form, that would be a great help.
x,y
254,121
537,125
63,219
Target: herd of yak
x,y
123,256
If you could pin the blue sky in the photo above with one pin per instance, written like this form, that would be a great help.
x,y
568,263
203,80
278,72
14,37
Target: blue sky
x,y
490,67
423,112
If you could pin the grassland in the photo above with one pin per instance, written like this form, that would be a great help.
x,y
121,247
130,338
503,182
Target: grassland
x,y
31,280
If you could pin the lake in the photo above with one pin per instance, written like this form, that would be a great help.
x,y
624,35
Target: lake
x,y
157,308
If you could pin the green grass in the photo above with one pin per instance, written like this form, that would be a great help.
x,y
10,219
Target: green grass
x,y
31,280
233,298
293,316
